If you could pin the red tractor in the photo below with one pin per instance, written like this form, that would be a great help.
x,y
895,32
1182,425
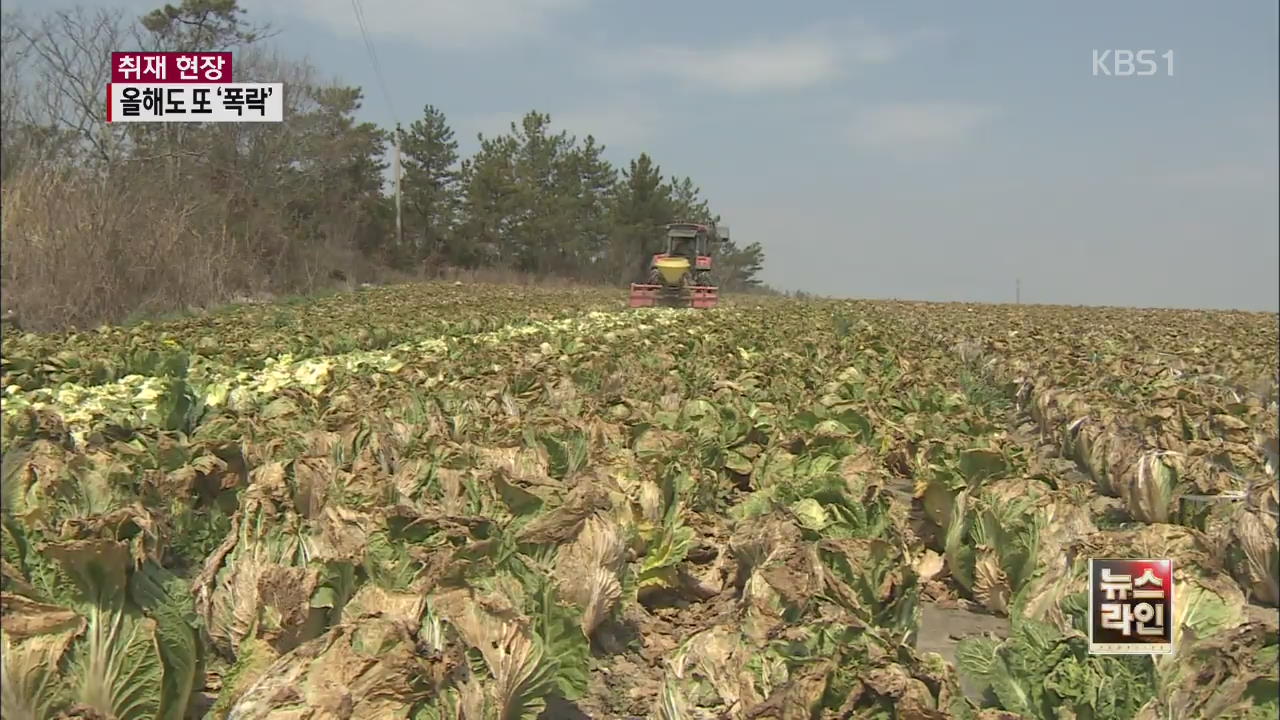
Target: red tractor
x,y
681,276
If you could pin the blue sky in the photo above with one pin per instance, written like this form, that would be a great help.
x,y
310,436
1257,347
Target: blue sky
x,y
922,150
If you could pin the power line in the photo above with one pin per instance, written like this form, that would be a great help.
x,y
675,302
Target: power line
x,y
373,58
373,54
377,71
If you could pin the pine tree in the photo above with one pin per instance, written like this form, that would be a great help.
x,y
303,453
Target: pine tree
x,y
340,170
738,267
545,180
642,206
687,203
491,203
592,180
431,190
200,26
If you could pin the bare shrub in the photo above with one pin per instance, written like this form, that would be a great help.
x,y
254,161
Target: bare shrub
x,y
76,250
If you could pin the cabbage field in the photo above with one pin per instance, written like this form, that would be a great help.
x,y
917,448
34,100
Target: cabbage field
x,y
436,501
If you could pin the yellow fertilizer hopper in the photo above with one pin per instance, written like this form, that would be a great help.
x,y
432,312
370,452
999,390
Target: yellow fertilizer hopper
x,y
671,269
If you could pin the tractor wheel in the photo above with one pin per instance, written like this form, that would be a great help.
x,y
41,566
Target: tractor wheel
x,y
655,277
704,279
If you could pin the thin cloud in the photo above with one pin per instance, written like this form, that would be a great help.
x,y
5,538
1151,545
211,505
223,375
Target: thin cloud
x,y
620,124
489,124
795,61
901,126
440,24
1220,177
1265,121
756,67
617,124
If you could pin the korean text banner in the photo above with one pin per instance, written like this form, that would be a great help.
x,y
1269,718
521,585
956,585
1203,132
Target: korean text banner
x,y
223,102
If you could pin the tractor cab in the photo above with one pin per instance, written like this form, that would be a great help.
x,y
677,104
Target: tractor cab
x,y
691,241
686,241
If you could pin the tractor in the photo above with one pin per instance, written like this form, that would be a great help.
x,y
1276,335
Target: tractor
x,y
681,276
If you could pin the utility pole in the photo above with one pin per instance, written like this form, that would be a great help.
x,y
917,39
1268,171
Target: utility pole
x,y
396,170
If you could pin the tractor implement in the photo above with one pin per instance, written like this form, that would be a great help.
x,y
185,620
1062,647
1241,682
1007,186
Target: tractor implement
x,y
644,295
681,276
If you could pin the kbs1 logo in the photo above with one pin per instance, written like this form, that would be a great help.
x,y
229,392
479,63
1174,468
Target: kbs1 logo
x,y
186,87
1130,607
1123,63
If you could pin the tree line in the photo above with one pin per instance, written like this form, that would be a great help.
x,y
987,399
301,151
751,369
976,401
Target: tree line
x,y
103,221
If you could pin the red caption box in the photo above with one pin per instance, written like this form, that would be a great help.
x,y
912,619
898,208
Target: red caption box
x,y
170,67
